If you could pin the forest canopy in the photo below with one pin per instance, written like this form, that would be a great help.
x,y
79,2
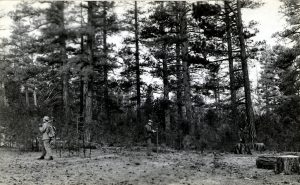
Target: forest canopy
x,y
102,69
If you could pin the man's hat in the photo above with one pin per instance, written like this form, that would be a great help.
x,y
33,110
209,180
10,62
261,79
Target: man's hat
x,y
46,118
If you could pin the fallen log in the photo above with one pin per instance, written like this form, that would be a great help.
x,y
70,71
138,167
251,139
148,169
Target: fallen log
x,y
287,164
266,162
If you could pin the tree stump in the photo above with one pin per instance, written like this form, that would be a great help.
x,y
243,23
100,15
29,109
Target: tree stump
x,y
242,148
266,162
287,164
259,147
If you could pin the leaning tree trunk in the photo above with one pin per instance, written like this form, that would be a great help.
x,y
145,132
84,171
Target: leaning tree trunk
x,y
231,69
249,109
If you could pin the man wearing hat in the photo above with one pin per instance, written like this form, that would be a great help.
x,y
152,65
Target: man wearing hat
x,y
149,133
44,129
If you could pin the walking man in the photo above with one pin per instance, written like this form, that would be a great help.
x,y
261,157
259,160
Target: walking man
x,y
149,132
45,128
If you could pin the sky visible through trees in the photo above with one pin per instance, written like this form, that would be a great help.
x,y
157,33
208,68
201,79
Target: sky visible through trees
x,y
268,17
208,73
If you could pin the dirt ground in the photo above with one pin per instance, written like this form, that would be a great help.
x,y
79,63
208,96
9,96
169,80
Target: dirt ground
x,y
117,166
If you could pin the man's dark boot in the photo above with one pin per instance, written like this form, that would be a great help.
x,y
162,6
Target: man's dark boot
x,y
50,158
41,158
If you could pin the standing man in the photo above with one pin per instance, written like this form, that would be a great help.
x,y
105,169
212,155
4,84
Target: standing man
x,y
46,139
149,132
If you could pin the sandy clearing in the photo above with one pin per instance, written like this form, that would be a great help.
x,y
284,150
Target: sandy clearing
x,y
134,167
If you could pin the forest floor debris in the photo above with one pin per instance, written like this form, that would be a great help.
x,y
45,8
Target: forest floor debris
x,y
127,167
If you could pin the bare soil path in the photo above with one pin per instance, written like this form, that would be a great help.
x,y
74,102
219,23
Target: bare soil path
x,y
124,167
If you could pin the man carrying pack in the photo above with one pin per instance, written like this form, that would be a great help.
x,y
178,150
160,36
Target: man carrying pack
x,y
47,136
149,133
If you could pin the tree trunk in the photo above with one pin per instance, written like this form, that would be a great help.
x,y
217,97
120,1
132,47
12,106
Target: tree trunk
x,y
231,69
3,93
165,83
166,94
287,164
179,93
64,58
179,89
82,86
26,95
178,76
89,80
105,71
179,82
137,63
35,97
267,97
81,104
5,99
249,109
185,70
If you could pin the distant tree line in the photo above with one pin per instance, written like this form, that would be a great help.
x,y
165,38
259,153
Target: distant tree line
x,y
101,74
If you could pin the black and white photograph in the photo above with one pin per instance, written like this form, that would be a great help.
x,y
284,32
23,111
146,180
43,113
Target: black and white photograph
x,y
198,92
